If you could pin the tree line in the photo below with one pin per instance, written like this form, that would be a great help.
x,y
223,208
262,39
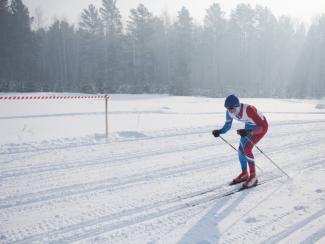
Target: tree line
x,y
251,53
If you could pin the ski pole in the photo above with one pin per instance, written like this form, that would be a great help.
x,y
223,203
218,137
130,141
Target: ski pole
x,y
268,158
236,150
228,143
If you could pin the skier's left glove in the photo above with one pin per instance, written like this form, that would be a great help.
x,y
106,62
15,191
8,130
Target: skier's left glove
x,y
243,132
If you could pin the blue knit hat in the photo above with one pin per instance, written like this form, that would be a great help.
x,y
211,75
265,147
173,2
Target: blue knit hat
x,y
232,101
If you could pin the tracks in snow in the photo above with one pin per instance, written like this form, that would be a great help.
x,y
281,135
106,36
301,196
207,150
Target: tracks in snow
x,y
126,218
118,158
114,184
74,230
69,143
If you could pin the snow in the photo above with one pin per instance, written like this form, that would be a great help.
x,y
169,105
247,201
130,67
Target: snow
x,y
320,106
63,181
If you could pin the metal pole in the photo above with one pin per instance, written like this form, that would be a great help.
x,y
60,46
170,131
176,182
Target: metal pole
x,y
237,150
269,158
106,115
228,143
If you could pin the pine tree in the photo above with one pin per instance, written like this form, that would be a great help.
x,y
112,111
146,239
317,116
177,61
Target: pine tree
x,y
61,57
112,23
21,46
4,43
215,26
182,53
264,55
309,79
141,36
91,54
91,22
241,34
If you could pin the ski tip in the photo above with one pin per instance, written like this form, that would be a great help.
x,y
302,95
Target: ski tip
x,y
232,183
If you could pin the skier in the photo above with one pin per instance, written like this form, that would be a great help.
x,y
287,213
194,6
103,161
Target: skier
x,y
256,127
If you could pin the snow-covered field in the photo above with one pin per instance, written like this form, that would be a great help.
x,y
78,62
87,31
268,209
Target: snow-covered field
x,y
62,181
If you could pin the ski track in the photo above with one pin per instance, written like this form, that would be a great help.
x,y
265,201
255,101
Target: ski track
x,y
291,221
113,184
117,158
297,226
131,112
109,185
315,236
281,221
158,208
91,228
37,148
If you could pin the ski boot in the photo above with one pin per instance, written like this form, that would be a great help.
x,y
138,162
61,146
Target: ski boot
x,y
251,181
240,178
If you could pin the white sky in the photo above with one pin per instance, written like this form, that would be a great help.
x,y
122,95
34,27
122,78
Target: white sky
x,y
304,10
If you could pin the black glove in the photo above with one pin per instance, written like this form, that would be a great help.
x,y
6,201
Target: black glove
x,y
243,132
216,133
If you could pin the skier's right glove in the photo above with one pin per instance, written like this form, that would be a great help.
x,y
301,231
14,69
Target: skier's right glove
x,y
216,133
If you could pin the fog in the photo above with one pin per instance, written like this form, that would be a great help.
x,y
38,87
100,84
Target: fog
x,y
300,10
238,47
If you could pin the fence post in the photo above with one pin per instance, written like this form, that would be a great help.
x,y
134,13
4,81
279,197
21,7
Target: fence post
x,y
106,115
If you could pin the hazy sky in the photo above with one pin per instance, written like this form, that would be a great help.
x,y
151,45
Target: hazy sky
x,y
305,10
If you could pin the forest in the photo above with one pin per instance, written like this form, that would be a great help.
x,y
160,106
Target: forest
x,y
251,52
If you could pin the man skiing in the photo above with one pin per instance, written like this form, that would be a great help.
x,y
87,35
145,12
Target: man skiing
x,y
256,127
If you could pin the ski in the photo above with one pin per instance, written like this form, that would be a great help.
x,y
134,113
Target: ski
x,y
230,192
216,189
242,188
203,192
232,183
213,197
